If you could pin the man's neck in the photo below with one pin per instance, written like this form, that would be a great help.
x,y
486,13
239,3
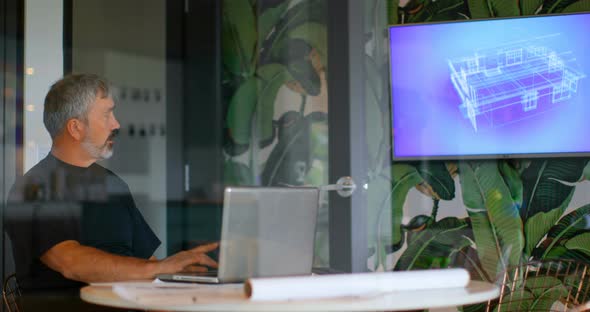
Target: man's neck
x,y
72,156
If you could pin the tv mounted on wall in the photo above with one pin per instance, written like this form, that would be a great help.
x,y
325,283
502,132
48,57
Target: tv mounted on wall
x,y
496,88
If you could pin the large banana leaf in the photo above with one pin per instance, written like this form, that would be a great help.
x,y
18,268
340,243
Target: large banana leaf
x,y
503,8
548,189
302,12
537,285
544,187
436,174
493,8
537,226
272,77
562,253
571,225
241,110
316,35
496,224
256,94
392,9
546,291
479,9
519,300
295,54
306,75
289,161
586,174
512,179
580,243
403,178
555,6
487,244
269,17
436,245
239,37
440,10
237,174
264,5
580,6
530,7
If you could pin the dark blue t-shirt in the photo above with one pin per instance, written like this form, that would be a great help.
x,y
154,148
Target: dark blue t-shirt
x,y
54,202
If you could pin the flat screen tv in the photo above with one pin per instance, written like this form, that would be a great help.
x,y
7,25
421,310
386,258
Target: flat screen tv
x,y
497,88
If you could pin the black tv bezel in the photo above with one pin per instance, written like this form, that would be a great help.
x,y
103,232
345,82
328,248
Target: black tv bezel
x,y
467,156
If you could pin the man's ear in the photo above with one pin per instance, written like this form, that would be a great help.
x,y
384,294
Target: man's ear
x,y
76,129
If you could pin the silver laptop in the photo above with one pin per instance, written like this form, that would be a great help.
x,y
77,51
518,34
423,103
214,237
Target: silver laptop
x,y
265,231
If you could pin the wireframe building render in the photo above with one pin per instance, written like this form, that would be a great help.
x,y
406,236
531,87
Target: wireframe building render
x,y
525,73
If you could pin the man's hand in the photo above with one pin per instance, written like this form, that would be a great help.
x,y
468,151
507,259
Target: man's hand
x,y
193,260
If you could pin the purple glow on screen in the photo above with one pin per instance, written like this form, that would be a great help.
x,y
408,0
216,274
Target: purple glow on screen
x,y
495,87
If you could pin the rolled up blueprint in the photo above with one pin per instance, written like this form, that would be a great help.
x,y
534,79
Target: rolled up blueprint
x,y
346,285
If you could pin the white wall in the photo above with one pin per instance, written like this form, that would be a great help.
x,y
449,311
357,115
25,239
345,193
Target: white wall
x,y
125,41
43,66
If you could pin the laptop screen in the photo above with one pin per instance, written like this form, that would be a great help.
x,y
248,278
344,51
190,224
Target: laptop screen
x,y
267,231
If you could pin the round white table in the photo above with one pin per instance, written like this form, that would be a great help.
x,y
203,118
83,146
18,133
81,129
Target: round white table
x,y
235,300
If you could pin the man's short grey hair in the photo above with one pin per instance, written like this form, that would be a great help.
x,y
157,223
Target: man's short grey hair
x,y
70,97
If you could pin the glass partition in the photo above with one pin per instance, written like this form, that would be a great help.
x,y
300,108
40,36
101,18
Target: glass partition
x,y
275,98
202,95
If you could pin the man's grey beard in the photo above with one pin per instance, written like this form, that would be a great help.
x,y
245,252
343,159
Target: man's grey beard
x,y
96,152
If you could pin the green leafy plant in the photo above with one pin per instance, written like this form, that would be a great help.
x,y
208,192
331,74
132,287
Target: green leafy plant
x,y
267,45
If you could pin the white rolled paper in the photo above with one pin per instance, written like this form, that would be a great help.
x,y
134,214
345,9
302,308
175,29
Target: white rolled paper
x,y
345,285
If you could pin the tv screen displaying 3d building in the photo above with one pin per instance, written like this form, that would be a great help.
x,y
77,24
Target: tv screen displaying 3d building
x,y
491,88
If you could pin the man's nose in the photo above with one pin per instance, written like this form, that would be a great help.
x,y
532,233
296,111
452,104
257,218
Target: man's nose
x,y
116,124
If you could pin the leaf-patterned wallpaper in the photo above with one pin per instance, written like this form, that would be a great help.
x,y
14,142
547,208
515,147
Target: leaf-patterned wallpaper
x,y
275,96
483,215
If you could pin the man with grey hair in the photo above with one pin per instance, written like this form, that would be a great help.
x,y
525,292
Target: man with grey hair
x,y
72,221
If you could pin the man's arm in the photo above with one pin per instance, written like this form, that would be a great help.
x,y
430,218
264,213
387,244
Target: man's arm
x,y
91,265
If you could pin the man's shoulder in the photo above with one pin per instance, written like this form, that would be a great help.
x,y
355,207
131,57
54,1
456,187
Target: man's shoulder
x,y
113,180
38,175
98,169
40,170
32,184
